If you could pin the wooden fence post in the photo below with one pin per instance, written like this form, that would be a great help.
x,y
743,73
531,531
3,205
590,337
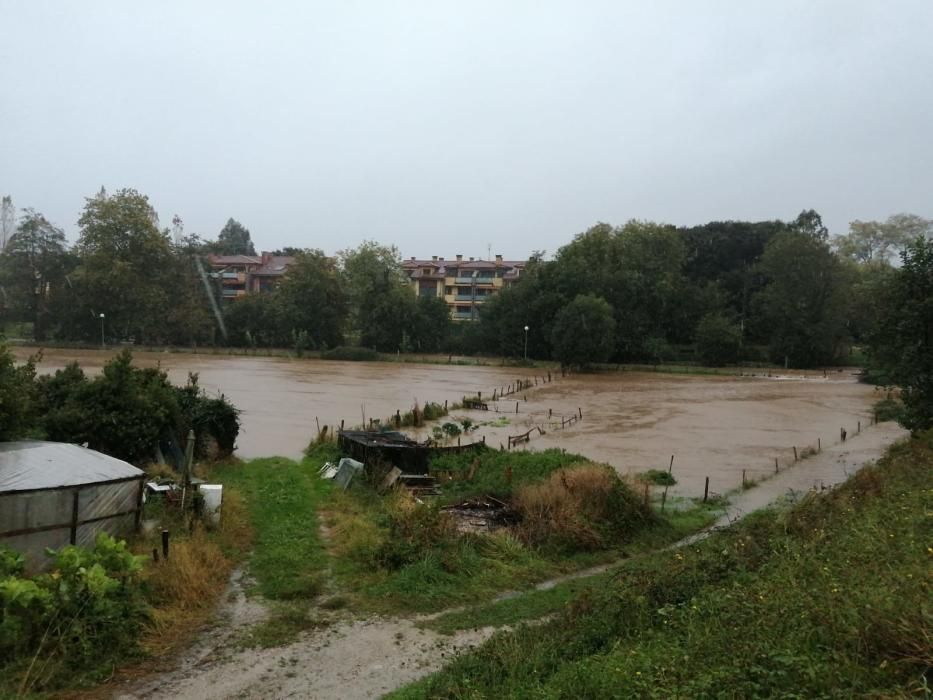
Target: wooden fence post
x,y
706,490
516,408
775,465
795,453
743,478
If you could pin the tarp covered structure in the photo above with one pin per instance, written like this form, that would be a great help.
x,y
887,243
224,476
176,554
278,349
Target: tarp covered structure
x,y
53,494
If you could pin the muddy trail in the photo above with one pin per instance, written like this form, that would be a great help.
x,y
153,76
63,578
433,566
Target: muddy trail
x,y
366,658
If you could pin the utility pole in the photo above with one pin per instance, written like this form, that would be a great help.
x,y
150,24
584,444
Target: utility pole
x,y
7,221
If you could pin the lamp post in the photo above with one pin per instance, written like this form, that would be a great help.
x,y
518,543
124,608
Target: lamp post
x,y
526,343
102,345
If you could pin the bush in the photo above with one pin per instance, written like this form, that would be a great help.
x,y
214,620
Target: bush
x,y
350,354
582,508
888,408
659,477
211,418
79,618
414,530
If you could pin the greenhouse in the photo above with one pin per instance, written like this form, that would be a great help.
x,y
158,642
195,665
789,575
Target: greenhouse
x,y
53,494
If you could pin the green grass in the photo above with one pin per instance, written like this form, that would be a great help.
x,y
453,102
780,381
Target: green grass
x,y
535,604
828,599
383,557
283,498
491,476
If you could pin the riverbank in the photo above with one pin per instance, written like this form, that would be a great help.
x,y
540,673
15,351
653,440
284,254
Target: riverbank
x,y
362,658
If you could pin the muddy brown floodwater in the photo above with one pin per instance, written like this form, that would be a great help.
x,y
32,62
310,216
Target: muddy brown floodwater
x,y
714,426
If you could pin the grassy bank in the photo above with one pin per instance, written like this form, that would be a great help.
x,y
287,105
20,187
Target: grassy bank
x,y
387,553
829,599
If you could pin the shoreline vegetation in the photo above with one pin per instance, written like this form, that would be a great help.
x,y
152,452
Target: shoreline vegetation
x,y
356,354
317,551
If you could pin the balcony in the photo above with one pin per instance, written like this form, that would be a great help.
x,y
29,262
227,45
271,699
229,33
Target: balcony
x,y
479,281
479,299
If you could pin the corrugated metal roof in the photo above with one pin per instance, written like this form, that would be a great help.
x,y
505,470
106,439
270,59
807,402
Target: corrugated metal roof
x,y
29,465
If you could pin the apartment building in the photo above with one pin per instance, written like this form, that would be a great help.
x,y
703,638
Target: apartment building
x,y
239,275
465,285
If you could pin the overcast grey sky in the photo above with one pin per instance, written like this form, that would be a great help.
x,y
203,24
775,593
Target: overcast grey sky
x,y
448,127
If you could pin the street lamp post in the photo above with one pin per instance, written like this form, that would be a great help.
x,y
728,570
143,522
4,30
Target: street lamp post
x,y
526,343
102,345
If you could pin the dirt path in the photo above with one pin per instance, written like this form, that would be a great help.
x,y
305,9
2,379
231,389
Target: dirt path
x,y
356,659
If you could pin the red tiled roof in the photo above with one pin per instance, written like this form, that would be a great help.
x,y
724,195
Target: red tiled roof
x,y
275,266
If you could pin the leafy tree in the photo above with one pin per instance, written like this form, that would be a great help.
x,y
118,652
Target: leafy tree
x,y
721,268
532,301
381,303
902,345
126,411
648,289
188,319
124,273
18,406
718,340
804,300
878,242
810,223
234,239
584,332
311,298
255,320
430,324
33,268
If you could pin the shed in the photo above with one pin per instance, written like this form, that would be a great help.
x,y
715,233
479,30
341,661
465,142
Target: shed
x,y
53,494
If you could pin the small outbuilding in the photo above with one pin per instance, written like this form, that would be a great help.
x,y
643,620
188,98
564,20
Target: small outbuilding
x,y
53,494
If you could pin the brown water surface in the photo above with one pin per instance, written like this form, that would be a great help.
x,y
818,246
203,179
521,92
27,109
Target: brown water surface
x,y
280,397
714,426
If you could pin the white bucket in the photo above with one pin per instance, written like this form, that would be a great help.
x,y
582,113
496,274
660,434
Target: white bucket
x,y
213,495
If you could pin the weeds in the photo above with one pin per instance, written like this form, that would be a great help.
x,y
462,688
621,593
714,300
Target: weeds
x,y
767,608
580,508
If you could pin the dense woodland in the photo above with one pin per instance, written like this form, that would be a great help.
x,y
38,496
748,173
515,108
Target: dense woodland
x,y
722,292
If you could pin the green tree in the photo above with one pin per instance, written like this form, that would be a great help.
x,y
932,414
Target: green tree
x,y
18,406
803,303
381,303
311,298
718,340
124,273
430,325
533,300
234,239
33,269
902,345
255,320
810,223
584,332
878,242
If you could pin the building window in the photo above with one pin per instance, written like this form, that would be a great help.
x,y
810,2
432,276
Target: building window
x,y
448,290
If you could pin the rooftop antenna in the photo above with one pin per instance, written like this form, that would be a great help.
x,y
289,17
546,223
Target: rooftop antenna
x,y
489,251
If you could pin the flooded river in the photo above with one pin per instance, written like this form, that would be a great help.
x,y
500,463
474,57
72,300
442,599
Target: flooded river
x,y
714,426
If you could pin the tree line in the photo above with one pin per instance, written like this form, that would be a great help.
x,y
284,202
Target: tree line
x,y
128,280
779,291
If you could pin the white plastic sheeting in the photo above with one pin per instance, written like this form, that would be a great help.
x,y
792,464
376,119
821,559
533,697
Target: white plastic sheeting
x,y
32,465
53,494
